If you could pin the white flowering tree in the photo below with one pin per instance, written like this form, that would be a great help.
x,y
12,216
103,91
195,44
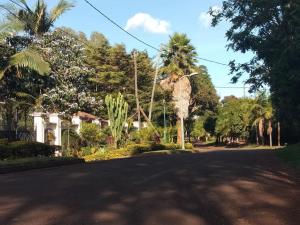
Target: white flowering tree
x,y
68,90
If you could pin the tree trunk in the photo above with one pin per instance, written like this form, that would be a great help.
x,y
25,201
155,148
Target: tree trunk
x,y
179,138
256,134
270,133
153,88
278,134
261,131
136,92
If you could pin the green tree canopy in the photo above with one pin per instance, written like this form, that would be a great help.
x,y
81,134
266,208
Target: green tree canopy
x,y
270,29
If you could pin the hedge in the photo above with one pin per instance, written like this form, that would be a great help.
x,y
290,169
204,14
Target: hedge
x,y
14,165
22,149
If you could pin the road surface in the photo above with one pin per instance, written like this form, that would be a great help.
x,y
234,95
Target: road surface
x,y
212,188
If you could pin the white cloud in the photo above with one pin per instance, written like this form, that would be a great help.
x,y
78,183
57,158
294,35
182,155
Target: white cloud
x,y
149,23
205,18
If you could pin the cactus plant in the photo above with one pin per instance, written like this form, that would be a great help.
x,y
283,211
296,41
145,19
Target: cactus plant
x,y
117,109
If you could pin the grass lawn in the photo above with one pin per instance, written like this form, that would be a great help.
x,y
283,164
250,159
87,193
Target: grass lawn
x,y
291,155
21,164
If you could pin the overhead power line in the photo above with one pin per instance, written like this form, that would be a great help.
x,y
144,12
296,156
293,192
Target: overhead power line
x,y
137,38
233,87
117,25
16,3
121,28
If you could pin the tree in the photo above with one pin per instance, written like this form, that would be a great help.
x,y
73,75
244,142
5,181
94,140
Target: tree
x,y
262,113
234,118
269,29
199,131
179,58
203,102
69,88
20,68
37,21
114,72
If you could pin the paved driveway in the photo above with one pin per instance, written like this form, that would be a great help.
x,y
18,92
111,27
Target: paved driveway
x,y
221,187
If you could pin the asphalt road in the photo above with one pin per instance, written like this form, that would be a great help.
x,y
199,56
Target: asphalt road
x,y
212,188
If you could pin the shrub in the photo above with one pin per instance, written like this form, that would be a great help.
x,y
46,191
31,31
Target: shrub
x,y
108,154
91,133
189,146
130,150
74,140
84,151
22,149
138,148
144,135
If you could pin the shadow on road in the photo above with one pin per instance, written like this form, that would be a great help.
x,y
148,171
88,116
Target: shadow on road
x,y
220,187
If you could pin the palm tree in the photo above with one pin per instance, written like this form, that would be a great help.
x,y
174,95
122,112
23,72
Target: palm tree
x,y
179,58
37,21
262,112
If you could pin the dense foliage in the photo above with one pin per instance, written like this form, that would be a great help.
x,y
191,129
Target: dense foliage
x,y
21,149
270,29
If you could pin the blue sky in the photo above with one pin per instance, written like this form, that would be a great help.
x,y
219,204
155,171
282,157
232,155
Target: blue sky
x,y
154,21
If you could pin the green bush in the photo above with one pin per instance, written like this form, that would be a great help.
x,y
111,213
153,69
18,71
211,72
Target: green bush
x,y
143,136
91,133
22,149
84,151
188,146
35,163
108,154
138,148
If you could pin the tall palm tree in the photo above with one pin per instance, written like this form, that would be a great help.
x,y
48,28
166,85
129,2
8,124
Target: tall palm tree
x,y
179,58
38,20
262,112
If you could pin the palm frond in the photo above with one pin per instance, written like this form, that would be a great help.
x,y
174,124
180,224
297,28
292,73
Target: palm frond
x,y
2,72
24,95
40,14
24,3
11,25
31,60
59,9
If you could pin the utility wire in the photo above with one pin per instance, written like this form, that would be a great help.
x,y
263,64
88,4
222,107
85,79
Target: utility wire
x,y
18,4
233,87
121,28
138,39
117,25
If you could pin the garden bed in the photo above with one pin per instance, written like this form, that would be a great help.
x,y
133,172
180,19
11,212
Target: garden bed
x,y
14,165
136,150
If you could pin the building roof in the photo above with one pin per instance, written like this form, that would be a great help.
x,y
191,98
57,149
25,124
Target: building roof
x,y
86,116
